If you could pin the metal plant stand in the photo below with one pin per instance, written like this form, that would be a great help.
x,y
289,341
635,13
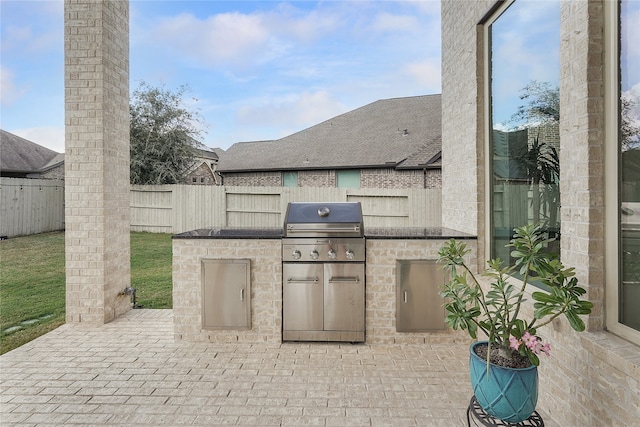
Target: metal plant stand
x,y
479,417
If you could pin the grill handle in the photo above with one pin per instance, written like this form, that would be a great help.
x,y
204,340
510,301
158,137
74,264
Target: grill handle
x,y
351,229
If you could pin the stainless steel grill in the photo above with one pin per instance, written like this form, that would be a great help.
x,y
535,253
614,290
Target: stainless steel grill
x,y
323,289
323,220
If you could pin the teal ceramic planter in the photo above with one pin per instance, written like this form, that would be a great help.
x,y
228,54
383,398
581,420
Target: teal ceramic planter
x,y
506,393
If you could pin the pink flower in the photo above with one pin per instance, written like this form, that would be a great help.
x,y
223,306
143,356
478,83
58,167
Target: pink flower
x,y
547,349
514,343
530,340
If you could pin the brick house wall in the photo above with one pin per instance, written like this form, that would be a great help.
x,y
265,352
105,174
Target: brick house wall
x,y
202,175
369,178
255,179
326,178
591,378
54,173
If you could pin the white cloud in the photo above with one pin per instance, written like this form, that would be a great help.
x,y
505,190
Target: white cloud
x,y
396,23
425,7
298,26
9,91
237,39
632,96
219,39
51,137
295,111
41,33
426,73
630,46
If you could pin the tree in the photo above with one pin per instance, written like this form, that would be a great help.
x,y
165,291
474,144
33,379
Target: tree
x,y
541,104
540,110
629,123
164,134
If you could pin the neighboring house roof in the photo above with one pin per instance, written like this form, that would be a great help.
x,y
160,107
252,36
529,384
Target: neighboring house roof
x,y
18,155
203,155
207,153
55,162
397,132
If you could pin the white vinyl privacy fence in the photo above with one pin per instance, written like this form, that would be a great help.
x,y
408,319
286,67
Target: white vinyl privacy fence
x,y
30,206
180,208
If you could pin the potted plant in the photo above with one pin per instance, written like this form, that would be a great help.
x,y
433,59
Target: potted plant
x,y
504,375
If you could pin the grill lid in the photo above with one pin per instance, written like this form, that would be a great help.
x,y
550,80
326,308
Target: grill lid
x,y
324,219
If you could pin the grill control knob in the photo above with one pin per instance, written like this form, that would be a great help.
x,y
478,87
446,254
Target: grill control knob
x,y
332,254
314,254
296,254
349,254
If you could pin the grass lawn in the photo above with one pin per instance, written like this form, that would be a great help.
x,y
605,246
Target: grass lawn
x,y
32,282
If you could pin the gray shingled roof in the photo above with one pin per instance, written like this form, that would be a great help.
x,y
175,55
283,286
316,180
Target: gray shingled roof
x,y
207,153
397,132
20,155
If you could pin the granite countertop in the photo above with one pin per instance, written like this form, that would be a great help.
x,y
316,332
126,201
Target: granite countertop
x,y
370,233
415,233
231,233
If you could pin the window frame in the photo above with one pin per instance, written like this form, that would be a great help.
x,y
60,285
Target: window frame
x,y
486,27
612,235
485,31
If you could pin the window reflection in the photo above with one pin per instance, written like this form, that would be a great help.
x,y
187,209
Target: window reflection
x,y
629,137
525,115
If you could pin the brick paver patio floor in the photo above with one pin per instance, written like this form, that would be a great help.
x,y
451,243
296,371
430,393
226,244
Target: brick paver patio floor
x,y
132,372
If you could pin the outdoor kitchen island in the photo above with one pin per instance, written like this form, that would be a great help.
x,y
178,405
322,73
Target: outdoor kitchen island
x,y
260,291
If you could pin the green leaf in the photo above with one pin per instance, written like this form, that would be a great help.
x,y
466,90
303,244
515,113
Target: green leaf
x,y
543,312
543,297
575,321
533,358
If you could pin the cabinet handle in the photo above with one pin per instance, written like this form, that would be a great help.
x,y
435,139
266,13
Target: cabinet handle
x,y
304,280
353,279
405,297
241,294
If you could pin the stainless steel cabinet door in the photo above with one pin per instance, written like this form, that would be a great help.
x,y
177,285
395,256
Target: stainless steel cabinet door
x,y
419,307
226,294
344,297
302,297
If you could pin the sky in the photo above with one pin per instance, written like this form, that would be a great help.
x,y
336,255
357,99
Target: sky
x,y
257,70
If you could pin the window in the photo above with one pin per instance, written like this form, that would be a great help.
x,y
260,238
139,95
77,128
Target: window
x,y
523,128
290,179
348,179
623,173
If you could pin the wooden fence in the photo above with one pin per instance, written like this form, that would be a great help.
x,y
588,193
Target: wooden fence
x,y
30,206
179,208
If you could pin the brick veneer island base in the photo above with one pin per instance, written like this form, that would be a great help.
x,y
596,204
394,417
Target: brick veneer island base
x,y
263,248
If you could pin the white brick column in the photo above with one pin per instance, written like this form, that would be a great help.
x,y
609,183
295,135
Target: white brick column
x,y
96,159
